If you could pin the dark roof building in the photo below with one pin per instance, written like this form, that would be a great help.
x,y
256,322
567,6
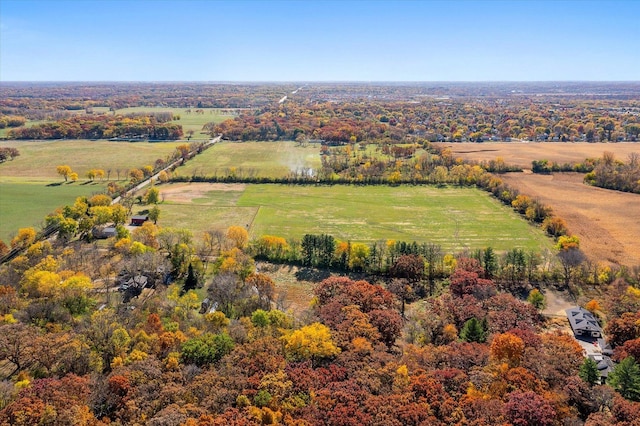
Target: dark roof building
x,y
104,232
139,219
583,323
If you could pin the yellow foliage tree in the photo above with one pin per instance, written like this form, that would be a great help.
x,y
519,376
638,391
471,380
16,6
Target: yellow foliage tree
x,y
147,235
41,283
566,242
163,177
64,171
311,342
100,200
24,238
238,236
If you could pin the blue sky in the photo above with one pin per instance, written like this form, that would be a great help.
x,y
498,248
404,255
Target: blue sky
x,y
118,40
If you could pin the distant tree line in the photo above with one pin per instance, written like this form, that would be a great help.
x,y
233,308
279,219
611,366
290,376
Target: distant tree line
x,y
546,166
11,121
101,127
456,120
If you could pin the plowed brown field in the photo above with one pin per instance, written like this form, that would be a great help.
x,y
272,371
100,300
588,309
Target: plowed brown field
x,y
522,154
607,222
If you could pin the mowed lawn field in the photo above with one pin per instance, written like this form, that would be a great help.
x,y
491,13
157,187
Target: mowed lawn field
x,y
25,203
607,222
456,218
30,188
270,159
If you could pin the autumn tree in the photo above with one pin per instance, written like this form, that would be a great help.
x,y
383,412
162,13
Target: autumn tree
x,y
24,238
136,175
163,177
183,151
529,409
312,342
537,299
507,347
154,214
152,196
17,347
239,236
64,171
466,280
411,268
264,286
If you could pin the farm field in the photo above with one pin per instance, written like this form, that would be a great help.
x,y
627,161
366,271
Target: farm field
x,y
523,153
270,159
607,222
456,218
39,159
25,203
189,121
28,184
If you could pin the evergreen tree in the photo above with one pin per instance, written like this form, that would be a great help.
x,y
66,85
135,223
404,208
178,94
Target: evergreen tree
x,y
625,379
191,282
473,331
589,372
490,263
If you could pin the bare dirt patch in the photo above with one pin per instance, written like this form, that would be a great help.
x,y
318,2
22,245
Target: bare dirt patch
x,y
607,222
186,192
292,294
521,154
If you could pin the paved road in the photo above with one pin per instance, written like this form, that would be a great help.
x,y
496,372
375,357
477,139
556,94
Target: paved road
x,y
147,181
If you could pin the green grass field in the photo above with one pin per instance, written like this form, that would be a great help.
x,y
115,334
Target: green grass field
x,y
25,203
455,218
26,198
271,159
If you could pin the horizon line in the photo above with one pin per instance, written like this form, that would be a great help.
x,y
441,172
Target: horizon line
x,y
313,81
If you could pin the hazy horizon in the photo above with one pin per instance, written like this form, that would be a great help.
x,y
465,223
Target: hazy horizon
x,y
319,41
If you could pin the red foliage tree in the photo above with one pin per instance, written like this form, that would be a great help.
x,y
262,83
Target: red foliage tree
x,y
466,280
51,401
629,348
388,323
529,409
619,330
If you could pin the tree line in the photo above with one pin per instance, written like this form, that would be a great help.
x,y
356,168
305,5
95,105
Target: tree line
x,y
101,127
610,173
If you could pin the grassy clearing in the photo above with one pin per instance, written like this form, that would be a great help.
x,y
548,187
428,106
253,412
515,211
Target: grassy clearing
x,y
25,203
39,159
200,218
456,218
189,121
271,159
26,198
